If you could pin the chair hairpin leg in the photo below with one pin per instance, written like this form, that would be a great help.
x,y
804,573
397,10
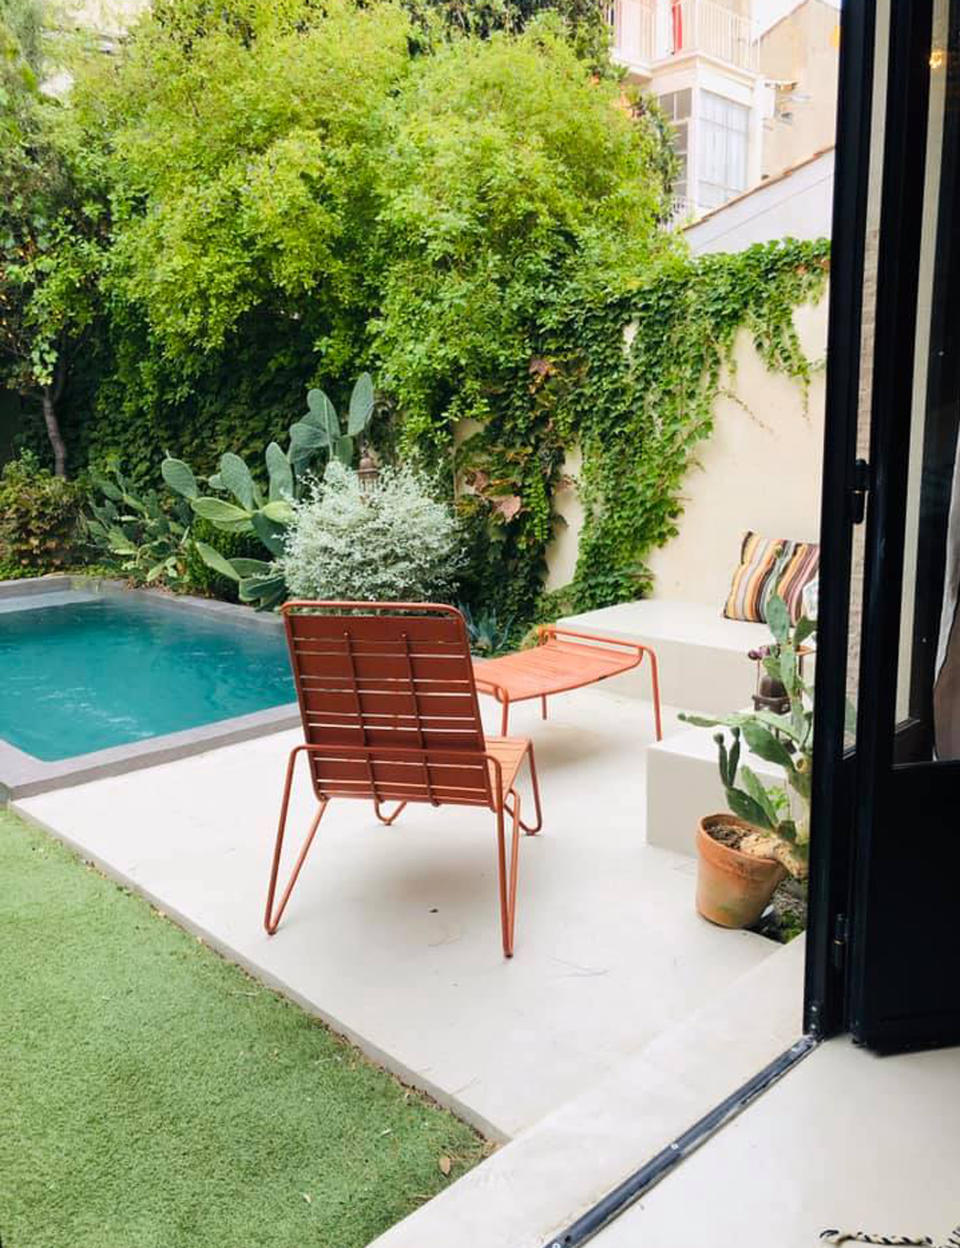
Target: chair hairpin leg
x,y
386,820
528,830
271,920
535,785
508,879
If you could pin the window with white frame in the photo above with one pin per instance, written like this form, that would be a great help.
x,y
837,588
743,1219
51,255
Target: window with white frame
x,y
676,106
723,129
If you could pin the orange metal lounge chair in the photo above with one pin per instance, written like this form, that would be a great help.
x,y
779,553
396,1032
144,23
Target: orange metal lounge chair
x,y
390,714
561,660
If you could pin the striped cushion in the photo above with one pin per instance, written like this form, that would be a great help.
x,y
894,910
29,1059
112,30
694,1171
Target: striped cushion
x,y
760,557
771,566
795,573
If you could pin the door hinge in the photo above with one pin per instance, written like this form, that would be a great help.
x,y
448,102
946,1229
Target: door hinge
x,y
839,945
858,490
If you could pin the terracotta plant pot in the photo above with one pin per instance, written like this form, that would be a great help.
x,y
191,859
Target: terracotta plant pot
x,y
733,889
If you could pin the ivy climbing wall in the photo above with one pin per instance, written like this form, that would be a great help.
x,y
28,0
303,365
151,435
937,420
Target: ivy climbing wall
x,y
652,426
759,469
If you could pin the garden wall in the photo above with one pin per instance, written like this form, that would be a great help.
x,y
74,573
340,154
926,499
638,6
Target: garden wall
x,y
759,469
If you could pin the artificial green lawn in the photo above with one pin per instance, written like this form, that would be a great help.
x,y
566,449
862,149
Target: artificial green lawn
x,y
152,1095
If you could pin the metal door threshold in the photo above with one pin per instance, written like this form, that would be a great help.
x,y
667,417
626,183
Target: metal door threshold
x,y
658,1167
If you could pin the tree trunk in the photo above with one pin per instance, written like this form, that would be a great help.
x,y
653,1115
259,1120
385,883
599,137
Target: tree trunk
x,y
53,432
51,396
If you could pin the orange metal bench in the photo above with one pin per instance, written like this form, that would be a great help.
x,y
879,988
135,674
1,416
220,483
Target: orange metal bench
x,y
561,660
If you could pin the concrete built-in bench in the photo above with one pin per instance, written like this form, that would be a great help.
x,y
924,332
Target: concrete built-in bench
x,y
703,667
683,784
702,656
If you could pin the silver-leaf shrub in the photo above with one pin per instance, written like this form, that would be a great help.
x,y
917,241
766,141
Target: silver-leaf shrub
x,y
392,542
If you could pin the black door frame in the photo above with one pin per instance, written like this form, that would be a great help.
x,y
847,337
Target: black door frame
x,y
824,1010
868,935
901,220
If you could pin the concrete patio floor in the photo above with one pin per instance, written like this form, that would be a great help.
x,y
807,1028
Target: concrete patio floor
x,y
846,1140
393,933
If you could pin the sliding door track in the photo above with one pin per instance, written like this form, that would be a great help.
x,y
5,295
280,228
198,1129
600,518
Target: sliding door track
x,y
658,1167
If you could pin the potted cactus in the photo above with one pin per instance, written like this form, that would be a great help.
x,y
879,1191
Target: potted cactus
x,y
745,852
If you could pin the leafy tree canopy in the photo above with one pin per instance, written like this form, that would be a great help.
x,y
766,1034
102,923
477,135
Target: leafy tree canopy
x,y
251,196
298,163
236,150
512,182
585,22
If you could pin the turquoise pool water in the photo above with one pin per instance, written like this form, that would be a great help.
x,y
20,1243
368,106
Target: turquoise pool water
x,y
87,675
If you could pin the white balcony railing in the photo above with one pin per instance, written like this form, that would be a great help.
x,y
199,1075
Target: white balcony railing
x,y
634,25
648,32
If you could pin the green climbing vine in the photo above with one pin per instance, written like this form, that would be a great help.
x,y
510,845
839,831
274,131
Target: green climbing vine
x,y
631,376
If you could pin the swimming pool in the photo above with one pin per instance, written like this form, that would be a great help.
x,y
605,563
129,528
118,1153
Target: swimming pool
x,y
89,675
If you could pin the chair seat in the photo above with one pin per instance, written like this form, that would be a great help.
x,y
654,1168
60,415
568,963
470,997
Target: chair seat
x,y
509,753
553,667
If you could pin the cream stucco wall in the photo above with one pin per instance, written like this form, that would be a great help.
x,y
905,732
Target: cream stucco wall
x,y
562,554
760,469
803,48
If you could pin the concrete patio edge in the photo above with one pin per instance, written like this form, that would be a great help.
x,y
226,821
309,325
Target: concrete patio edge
x,y
553,1172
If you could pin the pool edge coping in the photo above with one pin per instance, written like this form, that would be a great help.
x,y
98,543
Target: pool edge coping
x,y
22,775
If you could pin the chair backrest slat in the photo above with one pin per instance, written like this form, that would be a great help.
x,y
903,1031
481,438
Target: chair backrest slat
x,y
386,691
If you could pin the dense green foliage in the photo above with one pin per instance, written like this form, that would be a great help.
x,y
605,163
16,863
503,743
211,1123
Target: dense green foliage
x,y
143,536
639,410
39,516
458,203
201,578
21,47
515,184
294,196
585,21
149,536
630,376
153,1094
233,501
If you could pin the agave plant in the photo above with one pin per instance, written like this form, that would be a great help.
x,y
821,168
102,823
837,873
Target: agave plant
x,y
489,634
261,581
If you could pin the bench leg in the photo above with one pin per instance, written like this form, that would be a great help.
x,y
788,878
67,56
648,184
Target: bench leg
x,y
543,707
655,683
